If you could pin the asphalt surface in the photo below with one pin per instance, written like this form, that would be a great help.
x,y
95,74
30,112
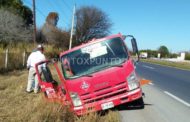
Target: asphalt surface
x,y
167,98
172,80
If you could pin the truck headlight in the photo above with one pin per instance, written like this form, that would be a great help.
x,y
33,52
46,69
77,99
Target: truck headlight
x,y
75,98
133,81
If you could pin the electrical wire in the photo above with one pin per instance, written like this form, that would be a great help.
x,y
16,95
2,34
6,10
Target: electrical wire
x,y
55,7
37,9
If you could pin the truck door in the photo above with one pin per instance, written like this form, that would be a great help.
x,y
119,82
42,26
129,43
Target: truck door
x,y
49,78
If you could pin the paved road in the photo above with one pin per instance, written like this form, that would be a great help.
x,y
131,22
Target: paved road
x,y
172,80
167,98
159,107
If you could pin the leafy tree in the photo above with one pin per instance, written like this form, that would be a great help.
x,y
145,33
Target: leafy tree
x,y
163,50
91,22
17,7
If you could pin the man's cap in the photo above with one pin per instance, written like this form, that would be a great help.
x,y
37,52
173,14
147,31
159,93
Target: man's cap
x,y
40,46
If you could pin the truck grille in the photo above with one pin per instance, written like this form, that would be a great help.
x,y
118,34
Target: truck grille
x,y
104,93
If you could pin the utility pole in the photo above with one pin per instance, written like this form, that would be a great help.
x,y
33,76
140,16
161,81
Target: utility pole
x,y
34,21
73,19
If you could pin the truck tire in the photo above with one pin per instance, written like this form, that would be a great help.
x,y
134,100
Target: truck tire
x,y
140,103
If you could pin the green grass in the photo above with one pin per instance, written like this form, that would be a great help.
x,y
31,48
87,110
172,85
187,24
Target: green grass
x,y
181,65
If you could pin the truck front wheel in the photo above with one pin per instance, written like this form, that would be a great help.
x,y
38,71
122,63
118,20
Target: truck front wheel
x,y
139,103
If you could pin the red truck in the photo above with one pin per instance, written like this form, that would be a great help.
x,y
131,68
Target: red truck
x,y
94,76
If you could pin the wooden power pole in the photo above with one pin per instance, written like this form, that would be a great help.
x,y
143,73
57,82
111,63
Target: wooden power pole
x,y
34,21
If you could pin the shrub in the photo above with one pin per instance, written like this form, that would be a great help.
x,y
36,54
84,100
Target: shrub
x,y
173,55
187,56
52,52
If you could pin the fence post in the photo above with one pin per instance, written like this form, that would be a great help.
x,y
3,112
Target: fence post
x,y
24,58
6,58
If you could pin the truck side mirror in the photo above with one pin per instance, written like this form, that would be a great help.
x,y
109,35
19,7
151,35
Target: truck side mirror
x,y
135,47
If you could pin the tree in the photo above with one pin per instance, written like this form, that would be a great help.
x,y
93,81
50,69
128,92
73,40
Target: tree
x,y
163,50
53,35
49,29
13,28
17,7
52,19
91,22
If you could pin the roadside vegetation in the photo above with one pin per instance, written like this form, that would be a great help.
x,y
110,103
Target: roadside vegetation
x,y
17,105
163,56
164,53
17,59
187,56
182,65
16,36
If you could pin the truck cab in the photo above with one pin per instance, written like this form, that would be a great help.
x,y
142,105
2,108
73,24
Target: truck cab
x,y
95,76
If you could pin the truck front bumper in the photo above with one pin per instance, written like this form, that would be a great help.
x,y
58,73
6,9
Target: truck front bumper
x,y
115,101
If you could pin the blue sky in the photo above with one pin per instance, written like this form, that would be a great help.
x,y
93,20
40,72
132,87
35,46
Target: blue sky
x,y
152,22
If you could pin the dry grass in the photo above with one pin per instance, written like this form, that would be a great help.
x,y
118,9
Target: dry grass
x,y
17,105
15,55
111,116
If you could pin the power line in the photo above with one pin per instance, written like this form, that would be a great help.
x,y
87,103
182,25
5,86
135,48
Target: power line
x,y
66,21
63,10
52,5
55,6
38,10
67,5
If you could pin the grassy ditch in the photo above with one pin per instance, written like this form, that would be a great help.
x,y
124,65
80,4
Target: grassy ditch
x,y
181,65
17,105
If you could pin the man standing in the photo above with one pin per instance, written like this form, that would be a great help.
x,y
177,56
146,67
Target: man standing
x,y
35,57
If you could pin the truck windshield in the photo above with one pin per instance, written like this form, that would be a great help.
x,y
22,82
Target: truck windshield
x,y
94,58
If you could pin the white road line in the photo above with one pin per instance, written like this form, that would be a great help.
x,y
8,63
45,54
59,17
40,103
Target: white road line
x,y
148,67
177,98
